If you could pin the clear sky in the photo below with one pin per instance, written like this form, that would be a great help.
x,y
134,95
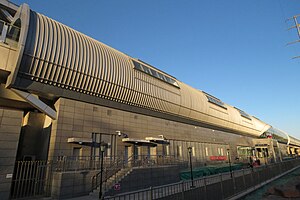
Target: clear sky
x,y
235,50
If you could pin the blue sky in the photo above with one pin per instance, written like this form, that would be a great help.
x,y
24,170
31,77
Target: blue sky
x,y
235,50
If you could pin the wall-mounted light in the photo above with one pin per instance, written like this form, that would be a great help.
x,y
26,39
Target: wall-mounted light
x,y
120,134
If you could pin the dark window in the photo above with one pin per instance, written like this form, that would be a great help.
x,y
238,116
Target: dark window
x,y
138,66
154,73
243,114
215,100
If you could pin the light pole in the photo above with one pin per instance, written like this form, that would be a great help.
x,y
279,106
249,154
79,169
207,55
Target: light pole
x,y
229,161
102,149
191,165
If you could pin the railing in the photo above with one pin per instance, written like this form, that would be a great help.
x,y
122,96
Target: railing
x,y
108,171
154,160
76,163
220,186
31,179
9,34
133,161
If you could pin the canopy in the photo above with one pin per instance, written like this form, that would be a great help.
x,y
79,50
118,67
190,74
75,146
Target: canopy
x,y
139,142
157,140
86,142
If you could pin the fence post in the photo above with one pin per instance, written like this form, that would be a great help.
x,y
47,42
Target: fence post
x,y
244,179
151,194
280,167
233,180
182,190
252,171
259,178
205,189
221,182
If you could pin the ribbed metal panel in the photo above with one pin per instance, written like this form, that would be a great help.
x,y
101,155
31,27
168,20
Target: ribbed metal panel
x,y
60,56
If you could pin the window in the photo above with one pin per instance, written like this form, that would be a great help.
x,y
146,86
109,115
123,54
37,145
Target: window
x,y
154,73
215,100
243,114
76,153
193,151
206,151
243,151
167,152
138,66
179,151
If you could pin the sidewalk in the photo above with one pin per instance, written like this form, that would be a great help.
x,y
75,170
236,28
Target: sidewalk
x,y
87,197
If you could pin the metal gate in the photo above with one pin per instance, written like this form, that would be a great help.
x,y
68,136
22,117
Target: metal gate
x,y
31,179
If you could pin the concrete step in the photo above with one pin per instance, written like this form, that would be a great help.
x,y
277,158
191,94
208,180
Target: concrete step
x,y
112,181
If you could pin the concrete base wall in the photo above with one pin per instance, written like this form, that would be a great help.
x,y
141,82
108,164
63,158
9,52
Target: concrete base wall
x,y
10,127
71,184
142,178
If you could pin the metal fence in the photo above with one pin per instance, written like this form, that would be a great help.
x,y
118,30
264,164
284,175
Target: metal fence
x,y
31,179
140,161
76,163
220,186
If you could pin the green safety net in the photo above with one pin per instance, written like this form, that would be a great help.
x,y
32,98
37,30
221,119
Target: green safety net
x,y
208,170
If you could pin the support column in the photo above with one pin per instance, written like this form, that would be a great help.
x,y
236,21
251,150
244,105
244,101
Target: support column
x,y
10,128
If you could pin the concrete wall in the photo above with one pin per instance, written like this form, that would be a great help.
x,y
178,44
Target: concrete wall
x,y
34,140
10,127
78,183
71,184
141,178
79,119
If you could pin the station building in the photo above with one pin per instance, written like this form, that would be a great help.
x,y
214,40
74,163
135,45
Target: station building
x,y
63,94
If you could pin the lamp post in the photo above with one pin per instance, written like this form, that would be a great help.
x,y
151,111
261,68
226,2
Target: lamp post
x,y
229,161
191,165
102,149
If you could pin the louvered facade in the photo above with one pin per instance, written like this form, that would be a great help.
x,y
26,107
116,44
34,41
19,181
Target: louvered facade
x,y
58,56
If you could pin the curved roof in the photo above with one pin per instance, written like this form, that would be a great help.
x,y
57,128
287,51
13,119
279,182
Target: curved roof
x,y
57,55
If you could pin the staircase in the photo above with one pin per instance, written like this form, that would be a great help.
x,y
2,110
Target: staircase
x,y
111,181
121,171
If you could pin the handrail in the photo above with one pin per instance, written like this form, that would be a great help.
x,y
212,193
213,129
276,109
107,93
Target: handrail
x,y
113,168
134,161
10,35
179,189
6,23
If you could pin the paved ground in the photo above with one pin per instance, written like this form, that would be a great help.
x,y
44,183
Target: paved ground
x,y
288,181
87,197
173,188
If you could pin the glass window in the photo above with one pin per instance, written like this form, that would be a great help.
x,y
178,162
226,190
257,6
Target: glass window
x,y
146,70
206,151
154,73
193,151
138,66
1,26
179,151
243,151
244,114
215,100
160,76
275,134
167,150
